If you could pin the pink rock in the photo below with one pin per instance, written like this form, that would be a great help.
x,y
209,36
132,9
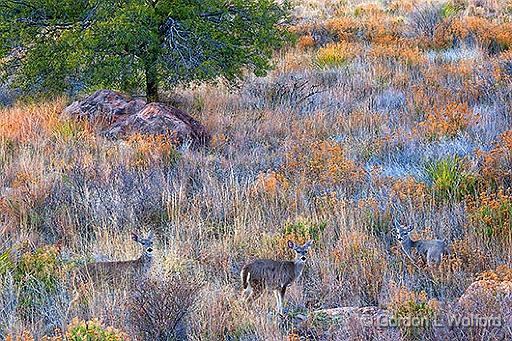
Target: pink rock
x,y
117,116
158,118
104,107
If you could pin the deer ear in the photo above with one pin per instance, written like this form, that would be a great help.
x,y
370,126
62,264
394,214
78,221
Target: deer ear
x,y
309,244
135,237
291,244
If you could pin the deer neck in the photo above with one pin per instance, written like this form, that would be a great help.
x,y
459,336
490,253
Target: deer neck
x,y
298,267
409,244
146,259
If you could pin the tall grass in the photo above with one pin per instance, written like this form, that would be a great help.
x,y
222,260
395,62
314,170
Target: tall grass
x,y
334,153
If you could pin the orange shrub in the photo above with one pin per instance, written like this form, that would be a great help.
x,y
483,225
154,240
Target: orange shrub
x,y
219,140
490,293
23,180
26,122
24,336
373,25
324,162
485,31
491,215
464,257
153,148
402,6
408,55
306,42
346,28
28,191
502,273
271,183
384,30
326,202
497,163
406,305
447,121
409,190
503,35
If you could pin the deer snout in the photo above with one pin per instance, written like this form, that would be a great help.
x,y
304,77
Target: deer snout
x,y
303,258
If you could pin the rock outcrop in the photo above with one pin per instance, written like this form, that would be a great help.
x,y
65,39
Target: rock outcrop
x,y
118,116
487,295
157,118
368,316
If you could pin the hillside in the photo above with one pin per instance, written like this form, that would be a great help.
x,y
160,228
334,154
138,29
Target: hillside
x,y
383,115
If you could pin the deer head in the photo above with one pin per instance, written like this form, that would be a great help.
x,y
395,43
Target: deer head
x,y
147,243
301,251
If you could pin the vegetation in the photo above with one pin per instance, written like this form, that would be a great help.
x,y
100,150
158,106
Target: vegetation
x,y
385,112
50,46
449,179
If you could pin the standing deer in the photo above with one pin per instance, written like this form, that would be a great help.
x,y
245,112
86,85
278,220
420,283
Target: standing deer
x,y
111,272
431,249
274,275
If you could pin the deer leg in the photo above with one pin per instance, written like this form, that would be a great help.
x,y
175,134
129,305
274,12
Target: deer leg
x,y
282,292
248,292
277,293
433,260
253,291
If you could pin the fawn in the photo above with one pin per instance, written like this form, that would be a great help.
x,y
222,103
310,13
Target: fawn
x,y
431,249
274,275
114,271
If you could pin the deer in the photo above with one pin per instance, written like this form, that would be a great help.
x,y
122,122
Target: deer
x,y
431,249
274,274
114,271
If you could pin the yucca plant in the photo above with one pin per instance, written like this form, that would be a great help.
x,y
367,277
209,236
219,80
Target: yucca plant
x,y
449,181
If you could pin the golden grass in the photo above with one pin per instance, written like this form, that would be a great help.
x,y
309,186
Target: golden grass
x,y
335,154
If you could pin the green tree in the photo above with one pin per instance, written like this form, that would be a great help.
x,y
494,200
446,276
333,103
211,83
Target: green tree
x,y
50,46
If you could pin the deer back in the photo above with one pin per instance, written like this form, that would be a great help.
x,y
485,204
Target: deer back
x,y
425,246
271,273
110,272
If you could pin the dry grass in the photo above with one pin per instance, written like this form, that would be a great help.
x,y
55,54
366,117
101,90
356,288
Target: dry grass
x,y
352,130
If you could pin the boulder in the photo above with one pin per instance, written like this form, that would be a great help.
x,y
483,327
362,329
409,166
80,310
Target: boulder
x,y
104,107
487,305
117,116
366,316
350,323
158,118
487,295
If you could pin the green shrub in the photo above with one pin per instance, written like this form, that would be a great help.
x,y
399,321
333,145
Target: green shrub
x,y
448,10
335,55
303,230
36,275
413,312
5,263
92,330
449,180
69,130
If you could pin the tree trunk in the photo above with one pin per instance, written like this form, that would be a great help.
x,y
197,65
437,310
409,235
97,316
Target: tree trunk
x,y
151,82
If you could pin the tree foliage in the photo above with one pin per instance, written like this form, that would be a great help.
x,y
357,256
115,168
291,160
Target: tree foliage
x,y
50,46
